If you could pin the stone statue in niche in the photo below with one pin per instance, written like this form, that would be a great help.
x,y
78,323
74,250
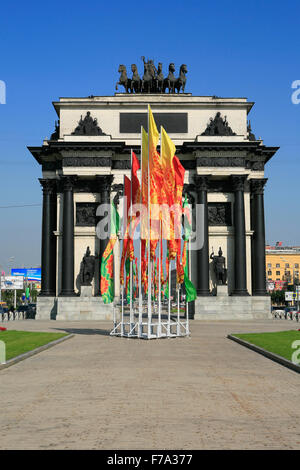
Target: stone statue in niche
x,y
219,267
87,268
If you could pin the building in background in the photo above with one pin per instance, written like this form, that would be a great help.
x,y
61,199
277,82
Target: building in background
x,y
282,266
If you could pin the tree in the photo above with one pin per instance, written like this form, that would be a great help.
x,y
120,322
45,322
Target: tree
x,y
278,297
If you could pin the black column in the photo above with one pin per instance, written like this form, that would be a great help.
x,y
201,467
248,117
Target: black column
x,y
67,275
201,186
105,183
48,253
258,238
240,266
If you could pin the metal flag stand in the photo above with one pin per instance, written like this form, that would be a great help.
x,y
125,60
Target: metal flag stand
x,y
150,323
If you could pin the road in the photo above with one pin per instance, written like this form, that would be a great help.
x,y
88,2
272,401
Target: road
x,y
100,392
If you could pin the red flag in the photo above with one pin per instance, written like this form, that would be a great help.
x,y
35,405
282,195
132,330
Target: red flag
x,y
144,262
132,193
127,193
179,181
135,181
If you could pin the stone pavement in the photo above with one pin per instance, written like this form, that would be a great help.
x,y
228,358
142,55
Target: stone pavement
x,y
100,392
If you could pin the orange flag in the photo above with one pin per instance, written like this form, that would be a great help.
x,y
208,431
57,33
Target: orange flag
x,y
156,182
156,174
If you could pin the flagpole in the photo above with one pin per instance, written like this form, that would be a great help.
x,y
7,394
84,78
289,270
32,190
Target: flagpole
x,y
169,305
130,239
124,234
149,252
189,270
178,310
187,304
160,262
159,282
122,319
140,329
168,275
114,315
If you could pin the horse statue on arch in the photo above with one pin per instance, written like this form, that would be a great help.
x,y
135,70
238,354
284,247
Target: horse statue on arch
x,y
181,80
123,80
136,82
159,79
153,80
169,82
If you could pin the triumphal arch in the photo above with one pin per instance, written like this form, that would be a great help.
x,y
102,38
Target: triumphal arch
x,y
83,164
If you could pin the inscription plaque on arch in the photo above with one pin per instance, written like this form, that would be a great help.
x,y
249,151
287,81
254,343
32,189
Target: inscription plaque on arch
x,y
176,123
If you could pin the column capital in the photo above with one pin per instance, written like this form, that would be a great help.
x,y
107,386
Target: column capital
x,y
257,185
201,182
238,182
105,182
68,182
48,185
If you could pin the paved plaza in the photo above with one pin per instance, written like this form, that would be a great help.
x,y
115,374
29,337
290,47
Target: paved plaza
x,y
100,392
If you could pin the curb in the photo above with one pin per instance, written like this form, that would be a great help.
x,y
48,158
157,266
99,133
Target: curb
x,y
274,357
35,351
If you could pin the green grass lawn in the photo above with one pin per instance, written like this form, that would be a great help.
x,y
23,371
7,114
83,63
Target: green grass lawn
x,y
279,342
19,342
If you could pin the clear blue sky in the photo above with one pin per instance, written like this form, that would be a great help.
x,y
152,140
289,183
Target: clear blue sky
x,y
73,48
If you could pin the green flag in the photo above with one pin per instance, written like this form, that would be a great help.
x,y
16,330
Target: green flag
x,y
191,293
127,286
166,292
107,262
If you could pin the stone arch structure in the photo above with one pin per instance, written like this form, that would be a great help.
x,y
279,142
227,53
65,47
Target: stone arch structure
x,y
224,172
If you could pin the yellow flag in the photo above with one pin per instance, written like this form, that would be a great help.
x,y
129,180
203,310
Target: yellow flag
x,y
168,151
153,135
144,166
144,159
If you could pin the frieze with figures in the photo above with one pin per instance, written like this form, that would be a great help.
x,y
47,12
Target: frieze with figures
x,y
86,214
219,214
